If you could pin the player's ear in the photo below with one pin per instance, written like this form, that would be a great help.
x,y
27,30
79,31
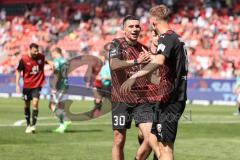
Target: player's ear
x,y
122,27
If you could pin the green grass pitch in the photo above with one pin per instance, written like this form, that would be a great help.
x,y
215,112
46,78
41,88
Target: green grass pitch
x,y
205,133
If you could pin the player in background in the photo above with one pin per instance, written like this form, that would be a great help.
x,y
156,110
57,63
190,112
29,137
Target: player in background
x,y
171,60
237,92
103,87
93,80
32,67
105,75
59,88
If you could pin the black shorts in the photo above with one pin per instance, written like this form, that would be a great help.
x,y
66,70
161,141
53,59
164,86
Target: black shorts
x,y
29,93
166,117
123,113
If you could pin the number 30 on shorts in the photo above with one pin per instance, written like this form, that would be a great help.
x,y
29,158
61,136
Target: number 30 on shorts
x,y
119,120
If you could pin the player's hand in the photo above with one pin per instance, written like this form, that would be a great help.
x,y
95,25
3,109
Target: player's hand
x,y
127,85
143,58
18,90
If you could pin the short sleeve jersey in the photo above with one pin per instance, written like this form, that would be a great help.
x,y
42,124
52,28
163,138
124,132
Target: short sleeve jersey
x,y
33,71
142,90
173,48
61,69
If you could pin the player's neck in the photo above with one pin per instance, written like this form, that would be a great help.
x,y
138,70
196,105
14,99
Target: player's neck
x,y
29,55
164,29
132,43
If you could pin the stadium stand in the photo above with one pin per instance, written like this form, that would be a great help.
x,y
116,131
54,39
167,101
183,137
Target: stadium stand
x,y
210,29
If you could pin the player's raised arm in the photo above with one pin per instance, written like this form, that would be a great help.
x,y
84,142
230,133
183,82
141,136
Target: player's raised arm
x,y
51,63
163,52
157,61
117,63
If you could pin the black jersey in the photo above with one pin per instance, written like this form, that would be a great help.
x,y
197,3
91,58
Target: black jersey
x,y
173,48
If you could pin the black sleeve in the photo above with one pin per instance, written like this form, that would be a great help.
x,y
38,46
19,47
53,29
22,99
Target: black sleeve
x,y
115,51
165,45
20,66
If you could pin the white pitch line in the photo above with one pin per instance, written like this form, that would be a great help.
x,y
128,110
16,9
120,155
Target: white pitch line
x,y
54,124
21,122
85,123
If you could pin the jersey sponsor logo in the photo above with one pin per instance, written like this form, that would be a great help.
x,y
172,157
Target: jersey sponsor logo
x,y
35,70
39,61
161,47
28,63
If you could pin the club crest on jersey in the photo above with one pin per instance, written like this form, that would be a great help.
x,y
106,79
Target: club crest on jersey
x,y
39,61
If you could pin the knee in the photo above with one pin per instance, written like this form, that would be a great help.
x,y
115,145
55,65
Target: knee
x,y
119,140
167,149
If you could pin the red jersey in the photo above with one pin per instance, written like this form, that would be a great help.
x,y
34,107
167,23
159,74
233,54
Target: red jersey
x,y
143,90
33,71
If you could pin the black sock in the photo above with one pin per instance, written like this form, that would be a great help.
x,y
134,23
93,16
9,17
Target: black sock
x,y
239,109
27,115
34,117
140,140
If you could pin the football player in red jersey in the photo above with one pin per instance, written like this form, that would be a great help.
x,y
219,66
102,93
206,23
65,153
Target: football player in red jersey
x,y
127,57
32,67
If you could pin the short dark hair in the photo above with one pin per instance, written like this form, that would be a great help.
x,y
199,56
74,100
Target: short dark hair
x,y
33,45
129,17
58,50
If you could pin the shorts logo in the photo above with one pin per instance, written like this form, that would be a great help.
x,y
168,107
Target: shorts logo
x,y
161,47
159,128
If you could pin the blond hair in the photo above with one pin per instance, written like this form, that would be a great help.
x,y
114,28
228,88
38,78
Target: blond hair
x,y
160,12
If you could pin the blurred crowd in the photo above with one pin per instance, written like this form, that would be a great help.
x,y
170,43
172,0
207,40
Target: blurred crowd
x,y
210,30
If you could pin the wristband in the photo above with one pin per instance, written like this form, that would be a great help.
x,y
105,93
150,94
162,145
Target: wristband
x,y
135,61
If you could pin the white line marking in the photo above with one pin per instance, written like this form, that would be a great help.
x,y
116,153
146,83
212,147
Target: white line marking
x,y
86,123
21,122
